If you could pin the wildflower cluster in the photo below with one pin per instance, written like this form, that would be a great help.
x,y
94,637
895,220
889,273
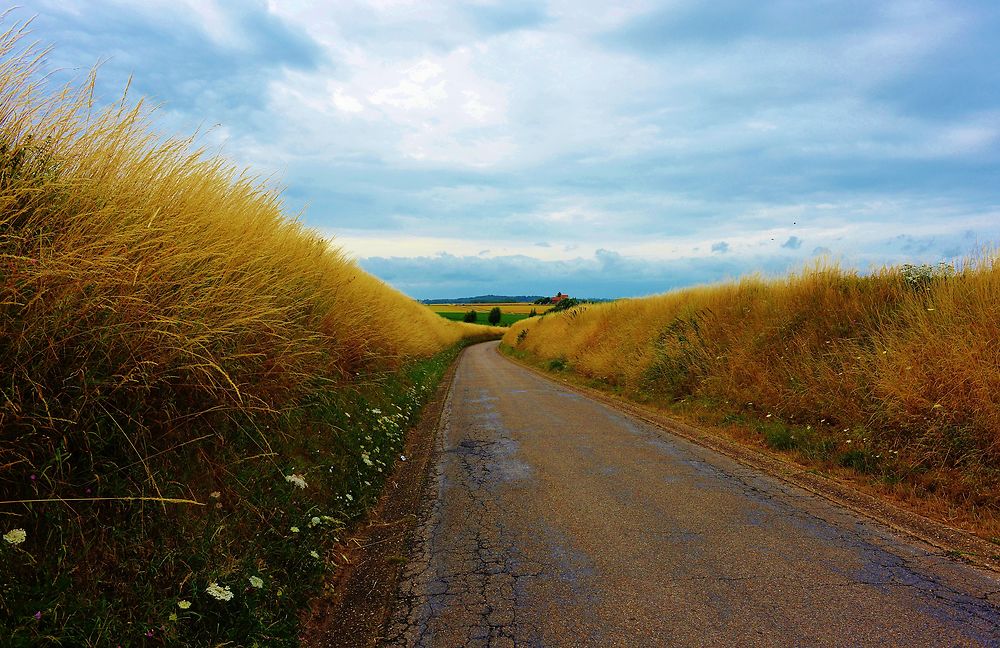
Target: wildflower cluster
x,y
220,592
15,536
922,275
380,435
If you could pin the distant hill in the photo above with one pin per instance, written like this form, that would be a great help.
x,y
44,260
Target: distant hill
x,y
486,299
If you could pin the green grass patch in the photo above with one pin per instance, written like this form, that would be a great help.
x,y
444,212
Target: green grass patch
x,y
506,319
780,437
860,459
558,364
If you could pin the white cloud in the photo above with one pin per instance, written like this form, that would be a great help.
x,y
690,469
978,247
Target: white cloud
x,y
420,128
345,102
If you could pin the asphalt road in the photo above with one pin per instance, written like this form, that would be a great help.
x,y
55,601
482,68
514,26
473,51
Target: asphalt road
x,y
557,521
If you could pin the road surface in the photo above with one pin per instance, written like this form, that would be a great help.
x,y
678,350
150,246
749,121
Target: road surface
x,y
558,521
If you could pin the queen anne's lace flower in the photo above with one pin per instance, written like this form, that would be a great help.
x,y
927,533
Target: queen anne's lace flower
x,y
257,582
15,536
184,604
220,592
297,480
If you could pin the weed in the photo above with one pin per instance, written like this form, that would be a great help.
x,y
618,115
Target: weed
x,y
779,437
864,461
558,364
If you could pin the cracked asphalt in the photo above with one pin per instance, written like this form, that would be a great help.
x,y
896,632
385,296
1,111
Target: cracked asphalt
x,y
555,520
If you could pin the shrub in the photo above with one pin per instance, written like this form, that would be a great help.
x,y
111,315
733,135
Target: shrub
x,y
471,317
566,304
494,316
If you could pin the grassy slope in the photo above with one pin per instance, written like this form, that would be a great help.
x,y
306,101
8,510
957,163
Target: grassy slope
x,y
896,379
173,348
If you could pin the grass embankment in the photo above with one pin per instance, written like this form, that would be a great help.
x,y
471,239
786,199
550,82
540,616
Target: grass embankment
x,y
893,377
197,392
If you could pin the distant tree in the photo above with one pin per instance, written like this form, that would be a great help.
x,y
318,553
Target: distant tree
x,y
567,304
532,313
494,317
470,317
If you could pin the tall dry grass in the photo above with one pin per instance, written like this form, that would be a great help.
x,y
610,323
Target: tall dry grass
x,y
913,365
168,337
139,277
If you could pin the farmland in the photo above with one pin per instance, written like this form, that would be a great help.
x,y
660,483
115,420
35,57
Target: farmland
x,y
509,313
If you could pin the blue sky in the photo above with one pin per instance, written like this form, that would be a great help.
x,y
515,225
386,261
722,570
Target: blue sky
x,y
598,148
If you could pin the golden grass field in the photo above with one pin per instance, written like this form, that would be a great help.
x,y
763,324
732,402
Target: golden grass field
x,y
187,374
169,269
897,378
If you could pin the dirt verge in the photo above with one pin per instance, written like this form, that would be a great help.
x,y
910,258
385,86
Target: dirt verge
x,y
956,542
357,600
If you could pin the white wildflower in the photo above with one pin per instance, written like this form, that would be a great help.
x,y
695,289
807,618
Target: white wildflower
x,y
220,592
295,529
172,617
297,480
350,498
314,555
256,581
15,536
184,605
366,458
315,521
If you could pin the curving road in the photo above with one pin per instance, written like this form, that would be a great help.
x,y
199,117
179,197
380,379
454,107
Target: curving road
x,y
557,521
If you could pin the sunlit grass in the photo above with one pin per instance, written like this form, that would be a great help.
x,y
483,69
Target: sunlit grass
x,y
173,349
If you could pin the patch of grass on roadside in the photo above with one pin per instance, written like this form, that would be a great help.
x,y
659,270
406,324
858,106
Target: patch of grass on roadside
x,y
281,501
558,364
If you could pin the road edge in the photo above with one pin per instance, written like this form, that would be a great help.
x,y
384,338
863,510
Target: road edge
x,y
356,606
953,542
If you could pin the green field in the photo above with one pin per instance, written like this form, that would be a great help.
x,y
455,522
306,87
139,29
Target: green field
x,y
506,319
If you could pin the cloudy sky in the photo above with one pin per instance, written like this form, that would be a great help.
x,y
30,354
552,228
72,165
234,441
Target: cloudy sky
x,y
597,148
